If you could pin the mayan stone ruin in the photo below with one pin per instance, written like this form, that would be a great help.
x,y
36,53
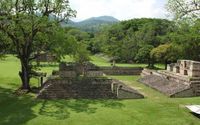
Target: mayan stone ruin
x,y
67,83
46,57
181,79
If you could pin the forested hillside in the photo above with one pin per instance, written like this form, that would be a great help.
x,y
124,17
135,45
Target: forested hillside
x,y
92,24
149,41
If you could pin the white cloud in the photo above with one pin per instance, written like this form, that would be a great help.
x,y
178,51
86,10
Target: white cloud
x,y
121,9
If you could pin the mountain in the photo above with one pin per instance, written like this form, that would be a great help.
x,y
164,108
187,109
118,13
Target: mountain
x,y
92,24
98,20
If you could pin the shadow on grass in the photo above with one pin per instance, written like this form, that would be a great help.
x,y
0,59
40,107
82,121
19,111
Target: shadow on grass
x,y
60,109
18,110
15,110
196,115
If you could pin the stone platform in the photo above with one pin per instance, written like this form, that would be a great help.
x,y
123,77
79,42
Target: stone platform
x,y
171,84
87,88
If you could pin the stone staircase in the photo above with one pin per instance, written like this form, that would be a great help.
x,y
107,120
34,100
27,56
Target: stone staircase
x,y
68,88
196,87
90,88
164,85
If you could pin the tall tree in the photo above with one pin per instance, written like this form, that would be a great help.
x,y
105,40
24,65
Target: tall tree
x,y
184,8
144,56
23,21
166,54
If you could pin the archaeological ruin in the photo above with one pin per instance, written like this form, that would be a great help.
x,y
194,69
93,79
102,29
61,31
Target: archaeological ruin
x,y
46,57
181,79
88,81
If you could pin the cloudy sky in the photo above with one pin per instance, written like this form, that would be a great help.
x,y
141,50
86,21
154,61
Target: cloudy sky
x,y
120,9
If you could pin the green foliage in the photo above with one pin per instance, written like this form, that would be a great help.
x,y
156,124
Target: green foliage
x,y
184,9
164,53
143,54
82,55
186,39
130,41
27,25
79,35
124,40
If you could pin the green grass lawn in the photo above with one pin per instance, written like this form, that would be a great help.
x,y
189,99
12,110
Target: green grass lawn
x,y
155,109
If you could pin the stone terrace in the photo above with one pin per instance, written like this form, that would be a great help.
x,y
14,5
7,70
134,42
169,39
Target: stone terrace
x,y
68,83
163,85
89,88
171,84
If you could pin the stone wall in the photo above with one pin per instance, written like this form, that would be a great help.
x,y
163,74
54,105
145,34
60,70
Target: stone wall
x,y
94,74
124,91
171,84
185,67
71,88
94,71
121,70
90,88
46,57
185,93
67,74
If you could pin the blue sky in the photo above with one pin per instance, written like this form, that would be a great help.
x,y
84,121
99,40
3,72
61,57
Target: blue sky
x,y
121,9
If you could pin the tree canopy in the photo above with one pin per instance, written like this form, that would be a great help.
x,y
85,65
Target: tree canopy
x,y
184,8
27,25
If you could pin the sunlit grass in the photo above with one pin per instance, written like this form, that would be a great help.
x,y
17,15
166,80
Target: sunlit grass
x,y
155,109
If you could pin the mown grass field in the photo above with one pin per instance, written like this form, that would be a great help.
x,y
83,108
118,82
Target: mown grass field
x,y
155,109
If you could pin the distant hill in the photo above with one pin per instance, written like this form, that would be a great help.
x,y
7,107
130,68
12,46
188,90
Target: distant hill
x,y
92,24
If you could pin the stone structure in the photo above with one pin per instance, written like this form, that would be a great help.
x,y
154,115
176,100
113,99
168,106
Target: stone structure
x,y
46,57
88,88
121,70
93,70
93,73
65,84
73,70
181,79
185,67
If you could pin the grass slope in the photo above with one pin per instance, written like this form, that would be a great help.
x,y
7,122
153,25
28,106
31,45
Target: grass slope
x,y
155,109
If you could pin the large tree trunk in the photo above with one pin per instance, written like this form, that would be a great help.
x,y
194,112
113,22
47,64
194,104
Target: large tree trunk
x,y
151,63
166,62
25,75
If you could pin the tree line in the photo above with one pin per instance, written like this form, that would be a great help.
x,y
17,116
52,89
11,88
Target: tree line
x,y
149,41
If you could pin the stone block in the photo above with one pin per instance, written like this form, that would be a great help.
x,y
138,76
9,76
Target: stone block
x,y
176,69
94,74
67,74
89,88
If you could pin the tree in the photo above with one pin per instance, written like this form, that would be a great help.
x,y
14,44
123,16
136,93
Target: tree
x,y
143,55
22,21
186,39
184,8
81,57
165,53
125,39
79,35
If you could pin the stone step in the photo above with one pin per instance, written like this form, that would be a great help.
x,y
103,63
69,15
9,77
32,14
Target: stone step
x,y
163,85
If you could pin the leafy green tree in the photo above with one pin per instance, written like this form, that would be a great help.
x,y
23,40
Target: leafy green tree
x,y
125,39
22,21
166,54
81,57
143,55
79,35
187,40
184,8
